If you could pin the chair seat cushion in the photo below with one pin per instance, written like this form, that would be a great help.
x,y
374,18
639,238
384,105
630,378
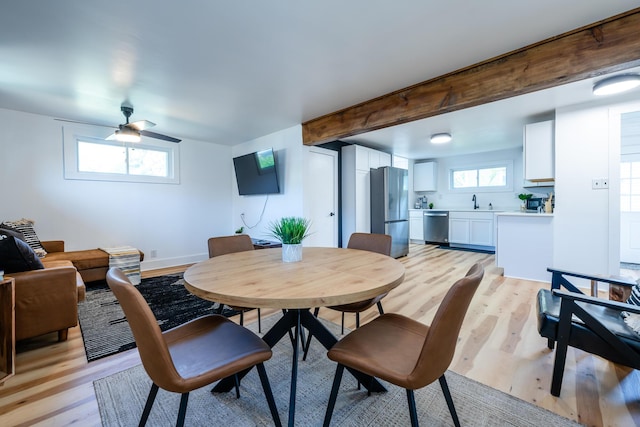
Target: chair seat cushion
x,y
213,347
582,337
388,347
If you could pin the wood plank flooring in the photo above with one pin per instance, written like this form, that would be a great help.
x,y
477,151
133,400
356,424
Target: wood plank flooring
x,y
498,346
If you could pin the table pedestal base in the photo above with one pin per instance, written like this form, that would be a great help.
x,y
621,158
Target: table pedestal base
x,y
297,319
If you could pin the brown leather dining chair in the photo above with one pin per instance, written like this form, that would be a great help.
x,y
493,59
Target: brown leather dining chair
x,y
230,244
191,355
405,352
379,243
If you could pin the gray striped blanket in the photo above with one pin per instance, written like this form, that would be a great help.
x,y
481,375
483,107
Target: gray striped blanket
x,y
127,259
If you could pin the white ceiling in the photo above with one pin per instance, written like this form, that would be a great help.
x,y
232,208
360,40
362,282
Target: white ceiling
x,y
228,72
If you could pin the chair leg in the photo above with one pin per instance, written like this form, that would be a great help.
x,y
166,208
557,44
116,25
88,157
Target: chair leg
x,y
259,323
550,343
147,406
357,320
63,334
183,409
241,317
380,310
342,330
268,394
447,396
413,413
334,394
237,381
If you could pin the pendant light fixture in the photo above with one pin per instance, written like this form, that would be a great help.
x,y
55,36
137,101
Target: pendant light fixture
x,y
440,138
616,84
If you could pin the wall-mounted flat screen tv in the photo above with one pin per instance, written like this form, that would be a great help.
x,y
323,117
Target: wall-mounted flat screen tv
x,y
256,173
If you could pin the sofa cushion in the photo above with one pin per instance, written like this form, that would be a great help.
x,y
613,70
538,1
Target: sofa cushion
x,y
82,260
25,226
17,256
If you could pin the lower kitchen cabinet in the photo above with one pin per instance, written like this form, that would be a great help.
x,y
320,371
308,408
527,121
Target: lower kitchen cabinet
x,y
416,225
471,228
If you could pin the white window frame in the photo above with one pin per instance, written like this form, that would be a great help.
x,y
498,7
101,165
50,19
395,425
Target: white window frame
x,y
508,164
629,158
73,135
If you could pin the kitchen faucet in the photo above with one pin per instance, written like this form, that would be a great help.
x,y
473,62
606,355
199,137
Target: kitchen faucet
x,y
475,205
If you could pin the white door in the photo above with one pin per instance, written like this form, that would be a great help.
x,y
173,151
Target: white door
x,y
321,197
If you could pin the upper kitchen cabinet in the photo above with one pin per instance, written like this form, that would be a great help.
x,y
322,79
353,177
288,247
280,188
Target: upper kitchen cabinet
x,y
425,176
356,199
538,157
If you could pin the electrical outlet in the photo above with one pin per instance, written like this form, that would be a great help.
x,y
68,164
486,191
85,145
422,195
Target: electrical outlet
x,y
599,183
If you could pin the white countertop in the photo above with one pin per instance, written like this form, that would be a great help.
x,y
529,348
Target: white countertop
x,y
527,214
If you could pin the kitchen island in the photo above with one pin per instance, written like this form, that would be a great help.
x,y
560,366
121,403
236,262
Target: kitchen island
x,y
524,246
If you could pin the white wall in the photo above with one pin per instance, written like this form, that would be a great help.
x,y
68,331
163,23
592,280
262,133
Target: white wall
x,y
175,220
445,198
289,152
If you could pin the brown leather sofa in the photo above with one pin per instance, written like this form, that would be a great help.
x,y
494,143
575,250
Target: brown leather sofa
x,y
47,300
92,264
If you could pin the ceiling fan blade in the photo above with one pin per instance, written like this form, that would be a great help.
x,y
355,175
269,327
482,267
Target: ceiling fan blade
x,y
141,124
84,123
159,136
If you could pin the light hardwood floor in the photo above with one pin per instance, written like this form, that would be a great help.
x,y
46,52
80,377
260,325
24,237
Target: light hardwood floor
x,y
498,346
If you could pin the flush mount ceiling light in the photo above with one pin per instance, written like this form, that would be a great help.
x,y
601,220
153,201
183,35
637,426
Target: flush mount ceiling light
x,y
616,84
440,138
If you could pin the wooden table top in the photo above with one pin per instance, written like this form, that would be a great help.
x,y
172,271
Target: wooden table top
x,y
324,277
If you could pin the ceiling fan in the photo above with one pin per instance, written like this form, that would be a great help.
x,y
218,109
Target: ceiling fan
x,y
131,132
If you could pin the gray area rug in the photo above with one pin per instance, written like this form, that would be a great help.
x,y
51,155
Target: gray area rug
x,y
121,398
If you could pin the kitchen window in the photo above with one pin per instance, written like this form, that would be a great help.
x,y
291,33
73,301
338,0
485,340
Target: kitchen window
x,y
88,158
491,178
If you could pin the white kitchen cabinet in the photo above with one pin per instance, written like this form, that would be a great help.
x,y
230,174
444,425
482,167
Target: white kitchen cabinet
x,y
425,176
471,228
416,225
538,156
356,194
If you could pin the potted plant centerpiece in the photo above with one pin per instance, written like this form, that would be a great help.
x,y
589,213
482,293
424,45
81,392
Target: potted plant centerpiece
x,y
291,231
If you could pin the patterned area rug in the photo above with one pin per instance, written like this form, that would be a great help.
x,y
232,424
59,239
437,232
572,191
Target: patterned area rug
x,y
105,330
121,398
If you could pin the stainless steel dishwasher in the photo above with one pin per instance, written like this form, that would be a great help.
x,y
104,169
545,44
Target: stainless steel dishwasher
x,y
436,226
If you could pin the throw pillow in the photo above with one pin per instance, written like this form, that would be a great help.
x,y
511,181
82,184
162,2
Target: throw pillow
x,y
25,226
17,256
9,232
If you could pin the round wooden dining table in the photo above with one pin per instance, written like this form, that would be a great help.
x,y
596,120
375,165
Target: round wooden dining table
x,y
324,277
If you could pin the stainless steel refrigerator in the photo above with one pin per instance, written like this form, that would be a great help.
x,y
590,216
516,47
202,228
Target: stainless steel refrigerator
x,y
390,207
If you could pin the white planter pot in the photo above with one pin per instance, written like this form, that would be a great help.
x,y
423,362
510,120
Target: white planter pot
x,y
291,253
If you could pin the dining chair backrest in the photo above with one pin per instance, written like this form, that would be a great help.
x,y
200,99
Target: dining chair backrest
x,y
440,342
152,347
380,243
229,244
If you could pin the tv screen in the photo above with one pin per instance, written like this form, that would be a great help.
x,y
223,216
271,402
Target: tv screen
x,y
256,173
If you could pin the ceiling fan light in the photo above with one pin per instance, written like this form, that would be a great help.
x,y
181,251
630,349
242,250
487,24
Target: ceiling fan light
x,y
616,84
440,138
127,136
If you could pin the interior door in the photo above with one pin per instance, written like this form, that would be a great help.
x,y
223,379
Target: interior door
x,y
321,197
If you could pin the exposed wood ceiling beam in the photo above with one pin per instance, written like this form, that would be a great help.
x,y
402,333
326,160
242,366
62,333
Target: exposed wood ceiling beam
x,y
603,47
